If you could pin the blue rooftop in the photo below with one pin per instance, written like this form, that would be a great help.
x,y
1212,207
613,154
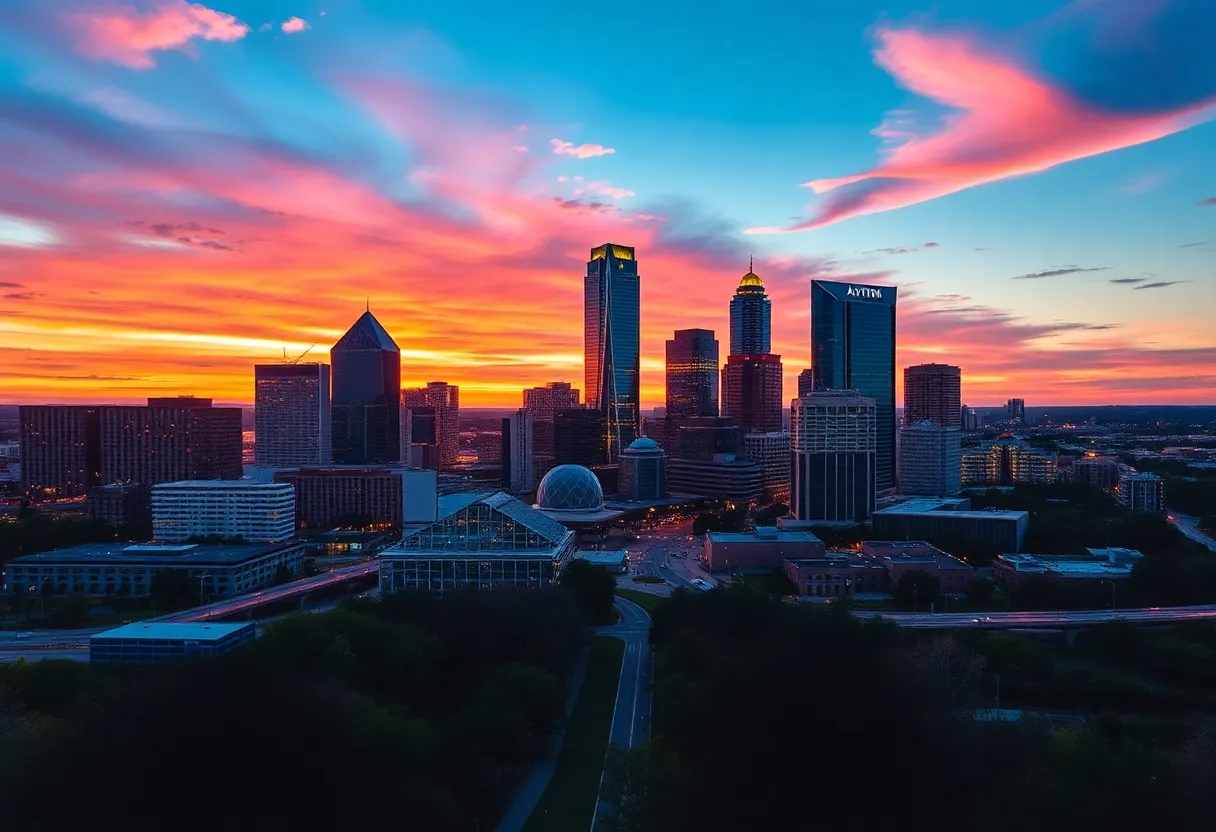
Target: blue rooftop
x,y
172,630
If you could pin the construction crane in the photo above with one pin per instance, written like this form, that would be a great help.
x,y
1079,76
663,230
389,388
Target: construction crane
x,y
296,360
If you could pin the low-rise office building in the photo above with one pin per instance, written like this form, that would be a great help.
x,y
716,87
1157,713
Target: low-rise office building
x,y
259,512
615,561
480,541
836,574
921,520
363,496
764,548
100,569
152,642
1142,492
1095,566
725,477
900,557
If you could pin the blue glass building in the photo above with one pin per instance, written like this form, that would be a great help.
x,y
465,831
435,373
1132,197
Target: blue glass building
x,y
853,348
366,417
751,317
612,344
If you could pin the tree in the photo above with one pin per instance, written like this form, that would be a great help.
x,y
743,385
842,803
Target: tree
x,y
594,587
980,590
172,589
75,610
917,588
283,575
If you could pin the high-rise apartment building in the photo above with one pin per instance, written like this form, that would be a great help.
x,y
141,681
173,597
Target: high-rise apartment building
x,y
833,443
351,496
751,317
751,387
930,460
969,419
291,411
612,345
250,510
1142,492
1009,460
853,348
692,379
542,403
518,454
1015,411
932,392
60,449
806,383
772,452
445,399
366,370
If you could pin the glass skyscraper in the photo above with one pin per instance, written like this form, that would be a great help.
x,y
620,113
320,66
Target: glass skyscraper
x,y
692,378
366,372
751,317
612,344
853,348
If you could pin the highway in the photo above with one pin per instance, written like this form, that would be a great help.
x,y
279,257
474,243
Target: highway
x,y
1189,526
243,603
1044,619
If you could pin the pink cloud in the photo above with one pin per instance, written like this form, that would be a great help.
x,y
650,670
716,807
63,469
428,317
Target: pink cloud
x,y
127,36
580,151
294,24
604,189
1007,122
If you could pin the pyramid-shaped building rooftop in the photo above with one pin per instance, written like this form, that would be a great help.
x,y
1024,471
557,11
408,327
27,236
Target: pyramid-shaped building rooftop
x,y
367,334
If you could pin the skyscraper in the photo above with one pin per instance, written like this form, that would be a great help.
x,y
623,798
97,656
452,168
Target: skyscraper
x,y
518,465
366,369
692,379
933,392
833,444
612,344
806,383
445,398
60,448
1015,411
542,403
853,347
291,411
751,317
577,435
752,391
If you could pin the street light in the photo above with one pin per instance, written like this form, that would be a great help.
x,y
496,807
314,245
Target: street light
x,y
200,592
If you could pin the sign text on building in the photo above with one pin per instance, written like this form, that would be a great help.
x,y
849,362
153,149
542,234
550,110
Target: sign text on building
x,y
865,292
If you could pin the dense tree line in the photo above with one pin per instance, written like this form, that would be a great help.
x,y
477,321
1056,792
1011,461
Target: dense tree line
x,y
411,710
35,532
779,716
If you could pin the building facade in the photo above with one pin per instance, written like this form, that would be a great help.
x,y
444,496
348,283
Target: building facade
x,y
60,449
996,531
835,575
366,399
752,391
444,399
374,497
1098,472
152,642
930,459
578,434
771,451
420,438
969,419
724,477
853,348
933,393
251,510
543,403
479,541
706,437
612,345
806,383
1142,492
692,379
764,548
518,452
643,471
833,456
1007,461
751,317
291,407
1015,411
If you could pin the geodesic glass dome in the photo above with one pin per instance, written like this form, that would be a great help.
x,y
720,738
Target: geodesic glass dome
x,y
570,488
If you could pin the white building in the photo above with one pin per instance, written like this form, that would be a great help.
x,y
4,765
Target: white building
x,y
1142,492
930,460
518,452
833,445
291,414
251,510
772,451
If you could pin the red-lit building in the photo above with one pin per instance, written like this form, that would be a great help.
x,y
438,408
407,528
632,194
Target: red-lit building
x,y
751,391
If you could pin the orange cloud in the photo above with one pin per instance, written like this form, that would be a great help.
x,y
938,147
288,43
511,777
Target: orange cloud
x,y
292,25
128,37
1007,122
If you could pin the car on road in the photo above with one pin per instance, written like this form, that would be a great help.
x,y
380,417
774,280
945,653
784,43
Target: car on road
x,y
24,635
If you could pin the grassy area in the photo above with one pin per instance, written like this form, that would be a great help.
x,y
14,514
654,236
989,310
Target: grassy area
x,y
569,801
645,600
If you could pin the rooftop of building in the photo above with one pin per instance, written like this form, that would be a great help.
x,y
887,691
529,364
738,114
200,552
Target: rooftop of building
x,y
881,548
940,559
719,461
834,560
603,557
172,631
554,533
155,554
643,445
224,485
366,334
1143,476
764,534
949,507
1097,563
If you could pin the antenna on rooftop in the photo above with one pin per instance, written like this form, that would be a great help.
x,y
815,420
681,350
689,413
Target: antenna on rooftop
x,y
297,359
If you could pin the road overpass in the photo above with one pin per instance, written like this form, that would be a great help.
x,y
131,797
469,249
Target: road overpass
x,y
1042,619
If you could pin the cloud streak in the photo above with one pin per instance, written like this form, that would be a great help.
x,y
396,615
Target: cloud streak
x,y
126,36
580,151
1060,272
1005,121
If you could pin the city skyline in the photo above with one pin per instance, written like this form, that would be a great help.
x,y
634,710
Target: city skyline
x,y
189,194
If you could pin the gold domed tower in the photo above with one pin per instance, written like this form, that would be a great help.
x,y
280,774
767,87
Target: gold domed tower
x,y
751,314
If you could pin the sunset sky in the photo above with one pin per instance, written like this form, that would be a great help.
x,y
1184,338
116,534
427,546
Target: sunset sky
x,y
188,189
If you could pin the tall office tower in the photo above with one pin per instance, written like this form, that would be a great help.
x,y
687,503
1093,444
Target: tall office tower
x,y
445,399
518,455
1015,411
578,434
612,345
930,460
772,452
751,317
291,415
853,348
366,395
170,439
806,383
542,403
424,437
932,392
751,387
692,379
969,419
833,444
60,449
